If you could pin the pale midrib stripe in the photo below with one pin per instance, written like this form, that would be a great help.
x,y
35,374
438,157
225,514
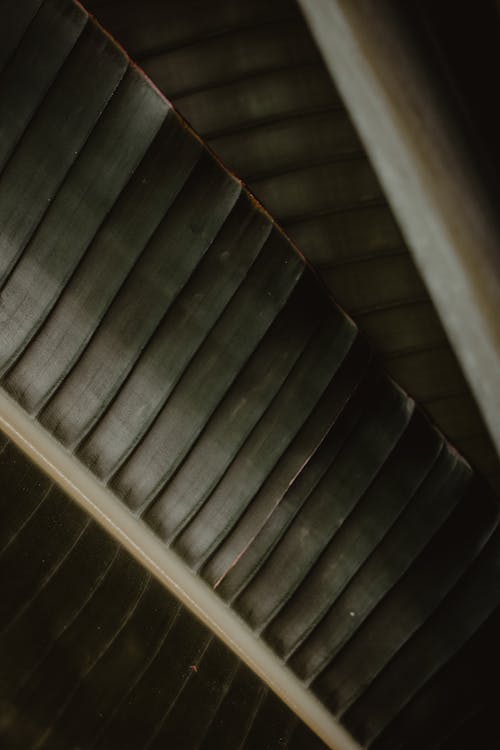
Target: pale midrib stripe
x,y
169,569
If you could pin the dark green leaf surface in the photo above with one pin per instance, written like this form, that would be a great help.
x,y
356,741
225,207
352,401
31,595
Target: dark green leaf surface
x,y
14,26
248,77
160,325
95,652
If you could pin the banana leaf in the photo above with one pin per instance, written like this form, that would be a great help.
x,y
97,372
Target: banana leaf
x,y
249,78
177,372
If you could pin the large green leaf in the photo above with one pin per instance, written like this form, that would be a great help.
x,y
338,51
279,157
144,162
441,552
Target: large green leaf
x,y
96,653
249,79
170,358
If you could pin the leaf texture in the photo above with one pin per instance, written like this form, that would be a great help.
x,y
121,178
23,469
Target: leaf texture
x,y
251,81
96,653
161,326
